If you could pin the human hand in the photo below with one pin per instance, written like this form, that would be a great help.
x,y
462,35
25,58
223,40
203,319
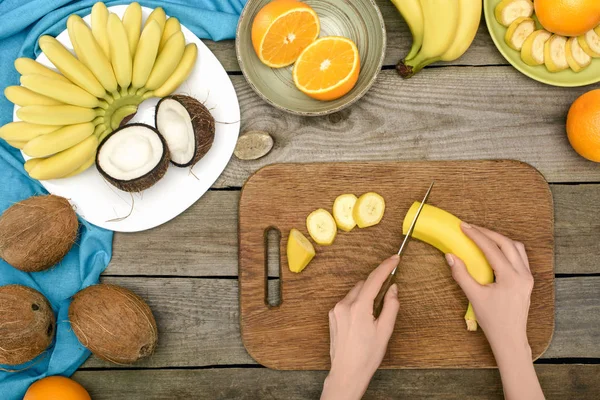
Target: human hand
x,y
358,340
503,306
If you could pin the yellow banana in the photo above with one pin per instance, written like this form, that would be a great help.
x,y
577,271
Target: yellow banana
x,y
132,21
17,144
71,31
120,56
70,67
442,230
27,66
65,162
88,163
66,93
24,97
145,55
32,162
413,15
92,55
181,73
56,115
171,26
158,15
99,26
167,61
440,18
59,140
25,131
468,23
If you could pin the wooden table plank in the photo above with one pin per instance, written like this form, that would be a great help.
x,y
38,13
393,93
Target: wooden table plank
x,y
203,240
558,382
198,320
399,40
440,114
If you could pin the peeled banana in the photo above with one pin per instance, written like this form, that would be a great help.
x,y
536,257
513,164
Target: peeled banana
x,y
442,230
343,208
116,66
577,58
321,227
518,32
532,51
555,53
507,11
368,210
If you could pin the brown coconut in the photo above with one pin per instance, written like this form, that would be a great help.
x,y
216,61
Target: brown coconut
x,y
38,232
113,323
27,324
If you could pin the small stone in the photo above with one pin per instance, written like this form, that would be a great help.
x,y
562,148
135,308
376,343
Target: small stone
x,y
253,145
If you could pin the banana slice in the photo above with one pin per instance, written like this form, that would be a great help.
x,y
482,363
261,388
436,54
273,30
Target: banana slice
x,y
576,57
321,227
342,211
507,11
518,32
590,43
368,210
532,52
555,53
300,251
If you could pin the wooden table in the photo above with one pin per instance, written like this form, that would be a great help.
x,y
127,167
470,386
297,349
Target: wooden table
x,y
478,107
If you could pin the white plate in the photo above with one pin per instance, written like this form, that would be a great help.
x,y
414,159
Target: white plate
x,y
99,202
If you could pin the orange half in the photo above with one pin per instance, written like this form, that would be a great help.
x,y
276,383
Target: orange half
x,y
328,68
281,30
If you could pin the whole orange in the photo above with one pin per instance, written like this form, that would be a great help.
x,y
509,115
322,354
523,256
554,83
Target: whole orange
x,y
568,17
56,388
583,125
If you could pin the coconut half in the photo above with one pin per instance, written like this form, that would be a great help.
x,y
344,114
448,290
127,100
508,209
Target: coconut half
x,y
187,126
133,157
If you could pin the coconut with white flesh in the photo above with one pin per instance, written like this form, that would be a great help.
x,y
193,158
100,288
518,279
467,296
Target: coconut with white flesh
x,y
187,126
133,157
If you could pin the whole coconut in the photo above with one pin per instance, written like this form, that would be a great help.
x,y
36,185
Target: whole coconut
x,y
26,325
37,233
113,323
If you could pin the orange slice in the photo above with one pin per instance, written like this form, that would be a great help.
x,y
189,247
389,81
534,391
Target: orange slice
x,y
281,30
328,68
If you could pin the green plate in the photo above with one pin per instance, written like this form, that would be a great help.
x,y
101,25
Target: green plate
x,y
566,78
359,20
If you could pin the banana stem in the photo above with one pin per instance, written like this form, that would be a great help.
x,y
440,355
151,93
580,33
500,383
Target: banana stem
x,y
408,68
414,50
470,319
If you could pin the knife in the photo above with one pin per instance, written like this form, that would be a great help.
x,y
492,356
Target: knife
x,y
378,303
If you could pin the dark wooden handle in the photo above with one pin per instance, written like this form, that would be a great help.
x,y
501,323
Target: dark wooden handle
x,y
378,303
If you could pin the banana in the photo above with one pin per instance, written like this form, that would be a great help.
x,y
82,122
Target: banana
x,y
172,26
440,19
132,21
442,230
532,52
27,66
88,163
63,92
413,15
99,26
321,227
71,31
300,251
158,15
32,162
145,55
70,67
342,211
555,56
181,73
56,115
92,55
25,131
590,43
59,140
507,11
368,210
468,23
120,56
577,59
24,97
167,61
518,32
17,144
65,162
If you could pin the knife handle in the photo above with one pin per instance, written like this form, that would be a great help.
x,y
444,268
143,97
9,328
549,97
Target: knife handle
x,y
378,303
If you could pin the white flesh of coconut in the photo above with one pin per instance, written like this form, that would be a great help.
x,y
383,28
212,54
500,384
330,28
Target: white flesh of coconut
x,y
131,153
175,124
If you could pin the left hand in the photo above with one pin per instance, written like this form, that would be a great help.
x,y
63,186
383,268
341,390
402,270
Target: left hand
x,y
358,340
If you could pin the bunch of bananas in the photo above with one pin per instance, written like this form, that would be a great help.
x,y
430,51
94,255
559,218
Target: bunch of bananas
x,y
119,64
442,30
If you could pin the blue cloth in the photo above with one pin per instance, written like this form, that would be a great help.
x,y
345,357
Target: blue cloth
x,y
22,23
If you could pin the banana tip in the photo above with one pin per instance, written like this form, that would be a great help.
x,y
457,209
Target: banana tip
x,y
471,325
405,71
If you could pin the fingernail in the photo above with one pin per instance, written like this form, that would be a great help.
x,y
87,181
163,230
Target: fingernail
x,y
450,259
395,257
465,225
395,289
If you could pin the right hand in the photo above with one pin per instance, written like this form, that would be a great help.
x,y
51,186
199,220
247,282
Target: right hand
x,y
503,306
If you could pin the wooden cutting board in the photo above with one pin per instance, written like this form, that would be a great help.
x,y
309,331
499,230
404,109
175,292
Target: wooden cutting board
x,y
507,196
